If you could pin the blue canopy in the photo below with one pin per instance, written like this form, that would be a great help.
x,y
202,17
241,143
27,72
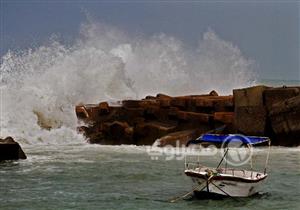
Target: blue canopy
x,y
219,139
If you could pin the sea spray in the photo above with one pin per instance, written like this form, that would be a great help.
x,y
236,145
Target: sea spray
x,y
41,86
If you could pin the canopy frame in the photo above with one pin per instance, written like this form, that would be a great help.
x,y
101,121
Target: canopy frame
x,y
220,139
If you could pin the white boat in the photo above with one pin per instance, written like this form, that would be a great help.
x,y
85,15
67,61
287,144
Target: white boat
x,y
223,181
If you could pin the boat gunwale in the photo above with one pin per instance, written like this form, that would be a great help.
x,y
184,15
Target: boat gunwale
x,y
221,176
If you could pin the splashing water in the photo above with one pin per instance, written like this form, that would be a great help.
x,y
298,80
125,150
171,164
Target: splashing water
x,y
40,87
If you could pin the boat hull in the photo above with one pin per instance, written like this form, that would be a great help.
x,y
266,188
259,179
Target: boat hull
x,y
203,195
227,186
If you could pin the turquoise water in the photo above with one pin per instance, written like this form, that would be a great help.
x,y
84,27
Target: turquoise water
x,y
82,176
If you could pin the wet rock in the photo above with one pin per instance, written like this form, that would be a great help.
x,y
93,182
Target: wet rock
x,y
286,106
87,112
99,138
179,102
121,132
257,110
250,114
223,104
163,96
131,103
250,120
285,121
140,103
81,112
133,113
115,133
213,93
150,97
252,96
195,117
204,102
275,95
211,104
103,108
143,121
10,150
224,117
165,102
172,112
177,139
147,133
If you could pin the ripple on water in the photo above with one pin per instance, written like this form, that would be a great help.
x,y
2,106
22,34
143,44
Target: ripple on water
x,y
125,177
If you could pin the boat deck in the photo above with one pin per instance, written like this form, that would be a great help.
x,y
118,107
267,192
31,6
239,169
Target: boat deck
x,y
225,172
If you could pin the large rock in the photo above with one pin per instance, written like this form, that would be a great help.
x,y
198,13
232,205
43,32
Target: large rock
x,y
10,150
286,106
103,108
252,96
195,117
165,102
212,104
180,102
250,120
87,112
285,121
224,104
163,96
147,133
115,133
81,112
177,139
140,103
250,114
275,95
132,113
141,122
224,117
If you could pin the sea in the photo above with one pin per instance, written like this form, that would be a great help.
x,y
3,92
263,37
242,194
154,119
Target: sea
x,y
40,86
83,176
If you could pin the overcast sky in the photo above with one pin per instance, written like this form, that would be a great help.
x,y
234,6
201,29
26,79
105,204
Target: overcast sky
x,y
267,31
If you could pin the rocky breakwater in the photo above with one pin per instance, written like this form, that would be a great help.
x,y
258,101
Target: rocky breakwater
x,y
268,111
10,150
142,122
258,110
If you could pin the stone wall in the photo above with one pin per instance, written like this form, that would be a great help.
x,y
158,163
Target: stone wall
x,y
268,111
259,110
141,122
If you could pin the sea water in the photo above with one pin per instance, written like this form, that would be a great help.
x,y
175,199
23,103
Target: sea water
x,y
82,176
40,87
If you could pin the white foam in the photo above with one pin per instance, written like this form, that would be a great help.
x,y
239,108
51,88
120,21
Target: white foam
x,y
42,85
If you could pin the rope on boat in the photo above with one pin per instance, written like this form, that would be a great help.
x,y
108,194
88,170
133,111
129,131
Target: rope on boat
x,y
208,181
267,159
222,158
173,200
